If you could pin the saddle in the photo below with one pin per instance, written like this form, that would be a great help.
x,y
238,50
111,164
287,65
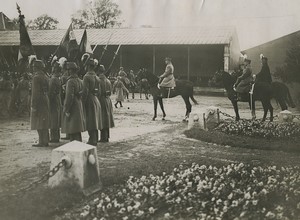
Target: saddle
x,y
166,92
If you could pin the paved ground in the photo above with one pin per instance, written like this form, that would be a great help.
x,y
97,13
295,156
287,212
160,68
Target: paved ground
x,y
136,141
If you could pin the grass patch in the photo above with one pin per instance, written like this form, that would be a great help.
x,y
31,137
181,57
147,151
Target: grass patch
x,y
40,203
278,144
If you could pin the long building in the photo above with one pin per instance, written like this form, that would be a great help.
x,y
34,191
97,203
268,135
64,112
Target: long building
x,y
197,53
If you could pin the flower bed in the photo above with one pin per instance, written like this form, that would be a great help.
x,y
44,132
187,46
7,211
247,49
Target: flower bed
x,y
260,129
204,192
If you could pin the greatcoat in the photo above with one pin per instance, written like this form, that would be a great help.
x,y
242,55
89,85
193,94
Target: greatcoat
x,y
75,123
168,77
243,83
55,102
105,101
119,89
39,115
91,104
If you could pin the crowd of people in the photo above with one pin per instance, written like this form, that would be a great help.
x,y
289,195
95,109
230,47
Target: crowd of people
x,y
69,100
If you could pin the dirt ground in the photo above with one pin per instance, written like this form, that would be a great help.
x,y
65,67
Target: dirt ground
x,y
136,141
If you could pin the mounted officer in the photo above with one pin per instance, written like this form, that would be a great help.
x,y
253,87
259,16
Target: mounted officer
x,y
39,117
264,75
244,82
167,79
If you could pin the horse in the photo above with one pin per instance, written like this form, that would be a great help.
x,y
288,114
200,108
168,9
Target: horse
x,y
183,88
262,92
143,85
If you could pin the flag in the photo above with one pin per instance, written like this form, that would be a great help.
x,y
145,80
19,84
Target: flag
x,y
84,46
26,47
68,46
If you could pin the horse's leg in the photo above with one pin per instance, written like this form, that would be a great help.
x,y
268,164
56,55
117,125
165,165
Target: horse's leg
x,y
267,106
155,108
188,107
162,107
236,110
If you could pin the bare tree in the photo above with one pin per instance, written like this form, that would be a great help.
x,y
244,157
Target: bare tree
x,y
98,14
43,22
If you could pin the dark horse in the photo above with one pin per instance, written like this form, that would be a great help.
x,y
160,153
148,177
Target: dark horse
x,y
183,88
143,85
262,92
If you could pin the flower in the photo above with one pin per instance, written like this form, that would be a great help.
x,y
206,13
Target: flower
x,y
167,215
151,210
270,215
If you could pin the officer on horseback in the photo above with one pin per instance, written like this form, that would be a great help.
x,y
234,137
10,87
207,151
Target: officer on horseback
x,y
167,79
243,83
264,75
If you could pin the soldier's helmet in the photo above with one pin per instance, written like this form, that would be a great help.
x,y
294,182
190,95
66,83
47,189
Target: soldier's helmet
x,y
71,66
38,64
101,69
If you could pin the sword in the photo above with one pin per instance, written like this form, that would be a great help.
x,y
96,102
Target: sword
x,y
116,53
105,48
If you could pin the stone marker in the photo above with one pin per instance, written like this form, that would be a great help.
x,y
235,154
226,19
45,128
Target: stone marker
x,y
82,166
285,116
211,117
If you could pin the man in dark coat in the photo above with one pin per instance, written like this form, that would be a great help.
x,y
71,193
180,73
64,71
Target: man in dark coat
x,y
106,105
73,122
40,104
264,75
243,83
6,88
55,104
91,103
23,90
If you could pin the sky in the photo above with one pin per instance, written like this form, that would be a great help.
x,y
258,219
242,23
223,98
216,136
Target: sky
x,y
256,21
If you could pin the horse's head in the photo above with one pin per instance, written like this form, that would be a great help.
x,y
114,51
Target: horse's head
x,y
222,77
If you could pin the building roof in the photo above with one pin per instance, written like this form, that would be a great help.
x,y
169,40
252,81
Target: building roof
x,y
129,36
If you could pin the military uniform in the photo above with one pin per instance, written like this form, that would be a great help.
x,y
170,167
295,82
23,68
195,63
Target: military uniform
x,y
73,122
106,106
39,119
23,91
6,88
167,77
264,75
92,106
55,107
243,83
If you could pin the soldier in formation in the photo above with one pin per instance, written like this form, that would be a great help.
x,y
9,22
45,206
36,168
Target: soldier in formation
x,y
40,117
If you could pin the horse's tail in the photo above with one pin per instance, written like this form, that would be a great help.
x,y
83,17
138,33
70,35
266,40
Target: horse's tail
x,y
193,99
289,98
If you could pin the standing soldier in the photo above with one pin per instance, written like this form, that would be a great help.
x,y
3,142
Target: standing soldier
x,y
106,105
91,103
73,117
6,88
119,89
23,90
40,104
64,78
55,104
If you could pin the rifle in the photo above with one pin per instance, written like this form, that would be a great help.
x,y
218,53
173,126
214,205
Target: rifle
x,y
116,53
105,48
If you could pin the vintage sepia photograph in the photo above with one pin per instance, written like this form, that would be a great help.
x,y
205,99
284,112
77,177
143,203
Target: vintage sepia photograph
x,y
149,109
